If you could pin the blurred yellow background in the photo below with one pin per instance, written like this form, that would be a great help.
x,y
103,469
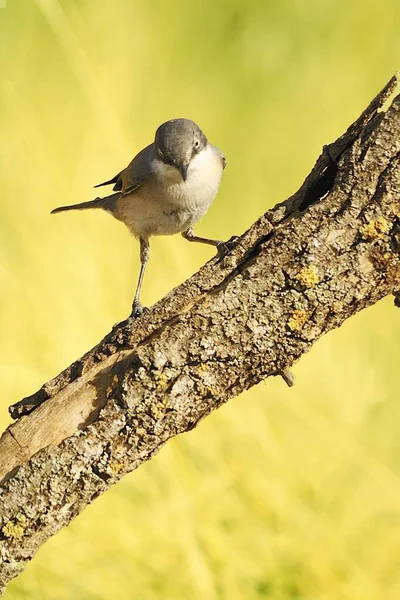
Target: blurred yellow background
x,y
282,494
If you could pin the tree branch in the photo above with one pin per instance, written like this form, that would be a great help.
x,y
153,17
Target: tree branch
x,y
302,269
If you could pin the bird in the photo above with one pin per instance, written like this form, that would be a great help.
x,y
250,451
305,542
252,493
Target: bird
x,y
165,189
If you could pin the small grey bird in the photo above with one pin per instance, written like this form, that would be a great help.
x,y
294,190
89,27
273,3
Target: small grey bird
x,y
166,188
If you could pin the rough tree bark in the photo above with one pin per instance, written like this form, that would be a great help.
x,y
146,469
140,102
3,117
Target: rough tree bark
x,y
304,267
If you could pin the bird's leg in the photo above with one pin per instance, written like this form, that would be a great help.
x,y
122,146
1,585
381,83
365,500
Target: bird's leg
x,y
190,237
222,247
137,308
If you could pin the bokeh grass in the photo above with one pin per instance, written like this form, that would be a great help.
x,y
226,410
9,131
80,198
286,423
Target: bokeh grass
x,y
283,494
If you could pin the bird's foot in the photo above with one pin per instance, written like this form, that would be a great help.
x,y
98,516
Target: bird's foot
x,y
123,330
137,310
223,248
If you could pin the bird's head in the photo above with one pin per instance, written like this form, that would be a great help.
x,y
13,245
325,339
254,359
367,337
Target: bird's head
x,y
177,142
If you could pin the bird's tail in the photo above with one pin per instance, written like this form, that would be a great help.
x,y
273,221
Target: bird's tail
x,y
107,203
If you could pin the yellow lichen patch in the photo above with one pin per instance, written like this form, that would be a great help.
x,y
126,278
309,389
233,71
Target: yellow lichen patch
x,y
211,390
162,382
298,319
202,368
308,276
15,529
157,410
115,467
374,229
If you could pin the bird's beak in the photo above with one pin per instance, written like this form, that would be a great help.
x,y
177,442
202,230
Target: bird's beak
x,y
183,169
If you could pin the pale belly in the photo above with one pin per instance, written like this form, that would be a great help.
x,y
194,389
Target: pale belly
x,y
174,205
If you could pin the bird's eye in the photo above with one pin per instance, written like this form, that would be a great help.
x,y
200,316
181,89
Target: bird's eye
x,y
197,144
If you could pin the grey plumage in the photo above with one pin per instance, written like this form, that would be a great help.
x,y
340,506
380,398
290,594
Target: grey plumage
x,y
107,203
115,180
165,189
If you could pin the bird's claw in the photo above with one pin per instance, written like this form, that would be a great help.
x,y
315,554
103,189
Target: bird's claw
x,y
123,329
223,248
137,310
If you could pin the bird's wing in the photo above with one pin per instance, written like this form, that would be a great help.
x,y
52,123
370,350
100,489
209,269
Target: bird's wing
x,y
115,180
221,155
136,173
223,159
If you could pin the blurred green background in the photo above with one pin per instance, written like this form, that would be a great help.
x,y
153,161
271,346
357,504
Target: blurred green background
x,y
282,494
